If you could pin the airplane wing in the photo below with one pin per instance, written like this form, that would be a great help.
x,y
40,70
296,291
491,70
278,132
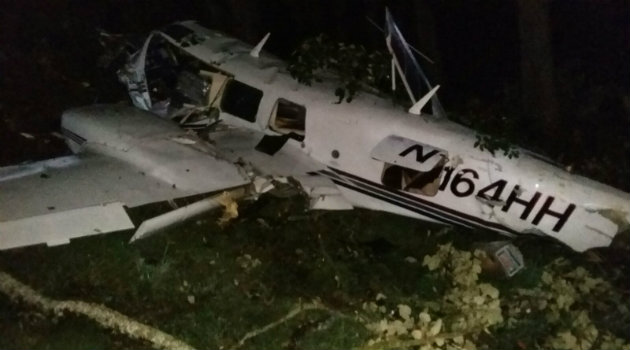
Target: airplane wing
x,y
56,200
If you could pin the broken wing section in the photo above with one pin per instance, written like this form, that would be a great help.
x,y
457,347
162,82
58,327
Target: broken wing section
x,y
413,78
57,200
323,193
289,161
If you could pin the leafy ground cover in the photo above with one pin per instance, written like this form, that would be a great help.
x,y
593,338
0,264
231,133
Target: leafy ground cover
x,y
281,277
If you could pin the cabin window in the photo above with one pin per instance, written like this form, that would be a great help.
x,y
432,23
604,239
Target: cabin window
x,y
288,118
241,100
414,181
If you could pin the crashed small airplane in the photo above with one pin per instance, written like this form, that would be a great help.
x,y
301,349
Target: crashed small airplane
x,y
256,124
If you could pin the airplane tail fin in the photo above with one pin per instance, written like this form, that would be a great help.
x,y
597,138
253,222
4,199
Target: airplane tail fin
x,y
412,76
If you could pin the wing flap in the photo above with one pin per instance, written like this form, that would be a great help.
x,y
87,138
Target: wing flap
x,y
60,228
84,182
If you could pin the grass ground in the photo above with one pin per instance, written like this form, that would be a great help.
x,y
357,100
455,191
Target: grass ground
x,y
211,285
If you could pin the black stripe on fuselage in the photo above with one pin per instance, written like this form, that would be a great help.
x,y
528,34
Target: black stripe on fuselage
x,y
403,205
408,201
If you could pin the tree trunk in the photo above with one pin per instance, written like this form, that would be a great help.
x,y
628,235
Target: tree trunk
x,y
537,73
425,37
245,20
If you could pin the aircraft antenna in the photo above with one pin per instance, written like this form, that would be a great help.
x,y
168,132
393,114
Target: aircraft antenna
x,y
256,50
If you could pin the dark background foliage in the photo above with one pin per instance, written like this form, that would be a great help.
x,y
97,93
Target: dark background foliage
x,y
49,61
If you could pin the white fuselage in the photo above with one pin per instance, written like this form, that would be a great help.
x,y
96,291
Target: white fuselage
x,y
476,189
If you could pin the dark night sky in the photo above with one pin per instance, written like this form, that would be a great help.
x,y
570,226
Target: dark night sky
x,y
48,49
476,42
